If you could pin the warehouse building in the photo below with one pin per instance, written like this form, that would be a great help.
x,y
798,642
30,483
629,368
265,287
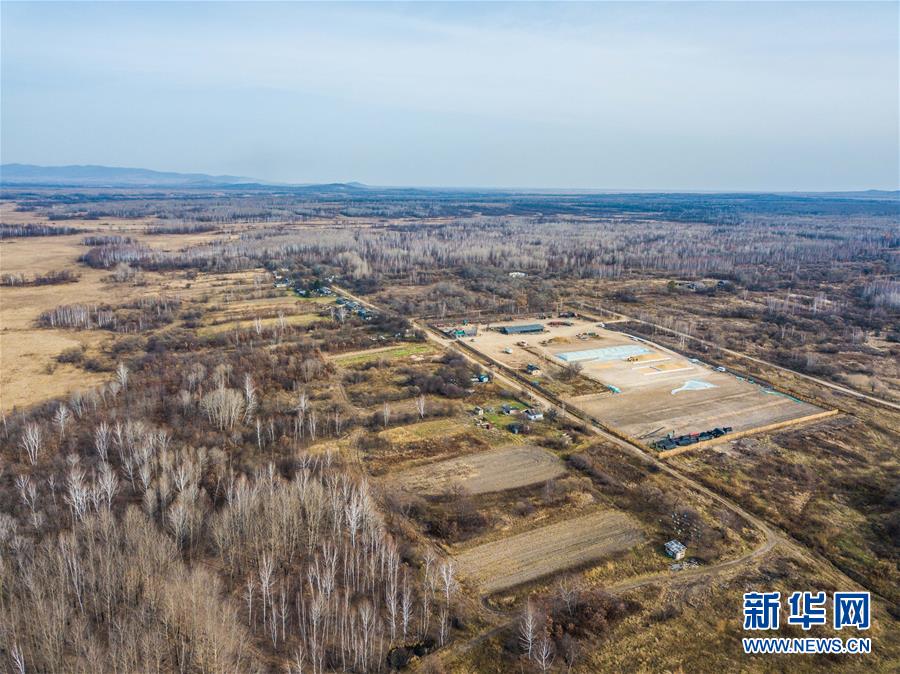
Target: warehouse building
x,y
529,329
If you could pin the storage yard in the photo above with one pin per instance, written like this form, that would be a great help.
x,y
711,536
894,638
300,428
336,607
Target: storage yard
x,y
652,391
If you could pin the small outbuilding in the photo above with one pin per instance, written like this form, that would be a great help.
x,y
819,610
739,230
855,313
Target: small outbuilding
x,y
675,549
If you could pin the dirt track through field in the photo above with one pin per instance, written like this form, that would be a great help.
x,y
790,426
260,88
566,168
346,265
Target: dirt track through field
x,y
495,470
518,559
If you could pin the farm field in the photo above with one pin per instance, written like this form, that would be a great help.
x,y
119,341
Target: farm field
x,y
512,561
379,353
250,323
495,470
654,389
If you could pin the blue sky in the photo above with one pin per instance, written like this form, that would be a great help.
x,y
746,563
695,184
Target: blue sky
x,y
673,96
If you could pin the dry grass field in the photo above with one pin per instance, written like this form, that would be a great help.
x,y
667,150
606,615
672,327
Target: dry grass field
x,y
424,430
225,325
29,372
383,353
531,555
496,470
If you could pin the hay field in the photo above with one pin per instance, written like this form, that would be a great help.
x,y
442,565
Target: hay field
x,y
495,470
512,561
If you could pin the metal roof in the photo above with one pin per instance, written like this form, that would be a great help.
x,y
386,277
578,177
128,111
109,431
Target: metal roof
x,y
517,329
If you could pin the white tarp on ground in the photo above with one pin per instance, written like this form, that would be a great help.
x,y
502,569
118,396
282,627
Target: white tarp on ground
x,y
693,385
606,353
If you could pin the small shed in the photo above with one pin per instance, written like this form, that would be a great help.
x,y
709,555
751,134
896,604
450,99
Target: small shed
x,y
534,415
675,549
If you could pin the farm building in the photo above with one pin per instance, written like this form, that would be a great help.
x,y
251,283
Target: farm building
x,y
528,329
675,550
534,415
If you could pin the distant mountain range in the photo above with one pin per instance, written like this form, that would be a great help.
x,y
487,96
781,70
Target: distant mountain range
x,y
109,175
113,176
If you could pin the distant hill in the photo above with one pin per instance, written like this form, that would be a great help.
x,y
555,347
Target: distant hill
x,y
100,176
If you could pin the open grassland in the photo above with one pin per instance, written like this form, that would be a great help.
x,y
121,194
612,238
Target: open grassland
x,y
496,470
386,353
29,371
525,557
424,430
250,323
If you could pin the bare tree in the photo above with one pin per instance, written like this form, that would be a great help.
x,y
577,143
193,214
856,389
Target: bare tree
x,y
107,483
528,629
448,581
122,375
250,401
223,407
546,653
101,440
420,406
28,494
61,419
406,604
567,591
32,441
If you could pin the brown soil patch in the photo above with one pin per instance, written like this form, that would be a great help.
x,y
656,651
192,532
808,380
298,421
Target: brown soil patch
x,y
525,557
496,470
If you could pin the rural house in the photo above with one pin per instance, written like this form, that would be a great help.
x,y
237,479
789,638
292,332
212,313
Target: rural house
x,y
675,550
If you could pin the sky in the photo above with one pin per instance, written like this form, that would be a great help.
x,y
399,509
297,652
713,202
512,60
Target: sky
x,y
645,96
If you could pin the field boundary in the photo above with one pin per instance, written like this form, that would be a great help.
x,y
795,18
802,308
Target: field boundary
x,y
809,418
